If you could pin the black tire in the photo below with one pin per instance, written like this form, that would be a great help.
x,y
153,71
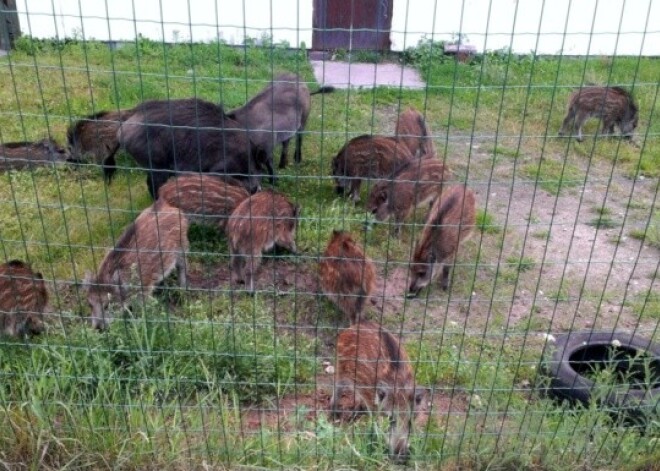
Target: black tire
x,y
577,352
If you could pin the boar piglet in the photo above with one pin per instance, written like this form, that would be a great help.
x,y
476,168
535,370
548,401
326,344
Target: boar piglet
x,y
366,157
413,132
449,223
203,197
96,136
613,105
276,114
373,369
417,183
146,253
258,224
23,299
189,135
347,276
21,155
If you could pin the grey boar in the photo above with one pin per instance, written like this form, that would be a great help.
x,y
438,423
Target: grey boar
x,y
95,136
450,222
189,135
414,133
277,114
22,155
374,370
613,105
366,157
23,299
347,276
417,183
147,252
258,224
203,197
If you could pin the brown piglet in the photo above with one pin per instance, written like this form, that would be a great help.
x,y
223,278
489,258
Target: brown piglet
x,y
366,157
413,132
347,276
615,106
96,136
450,222
23,299
258,224
373,369
417,183
146,253
203,197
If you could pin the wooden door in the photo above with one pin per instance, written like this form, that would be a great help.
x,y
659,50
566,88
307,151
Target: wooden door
x,y
352,24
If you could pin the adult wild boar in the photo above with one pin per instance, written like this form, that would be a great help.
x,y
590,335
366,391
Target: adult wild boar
x,y
188,135
275,115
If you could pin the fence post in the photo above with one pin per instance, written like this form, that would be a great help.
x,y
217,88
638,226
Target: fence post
x,y
10,28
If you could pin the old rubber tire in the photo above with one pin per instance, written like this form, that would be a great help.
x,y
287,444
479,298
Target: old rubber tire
x,y
577,352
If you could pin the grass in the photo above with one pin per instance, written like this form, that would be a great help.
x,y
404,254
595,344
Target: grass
x,y
193,379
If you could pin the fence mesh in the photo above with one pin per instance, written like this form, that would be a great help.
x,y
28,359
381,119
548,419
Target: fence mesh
x,y
217,328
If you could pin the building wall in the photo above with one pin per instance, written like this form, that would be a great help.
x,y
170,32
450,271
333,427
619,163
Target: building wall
x,y
580,27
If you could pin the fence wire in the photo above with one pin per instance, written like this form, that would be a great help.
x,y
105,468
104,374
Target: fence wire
x,y
487,299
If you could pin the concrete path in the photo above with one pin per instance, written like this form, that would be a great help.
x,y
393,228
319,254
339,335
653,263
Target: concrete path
x,y
345,75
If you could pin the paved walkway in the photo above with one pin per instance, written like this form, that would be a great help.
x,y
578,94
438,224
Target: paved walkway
x,y
345,75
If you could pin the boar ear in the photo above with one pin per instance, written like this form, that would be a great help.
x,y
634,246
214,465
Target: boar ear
x,y
117,285
420,395
382,390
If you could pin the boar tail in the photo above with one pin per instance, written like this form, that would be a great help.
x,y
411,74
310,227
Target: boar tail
x,y
324,89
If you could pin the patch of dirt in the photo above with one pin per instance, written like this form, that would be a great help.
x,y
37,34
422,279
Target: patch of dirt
x,y
295,412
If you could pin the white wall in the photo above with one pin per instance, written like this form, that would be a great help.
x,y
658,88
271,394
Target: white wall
x,y
607,27
563,26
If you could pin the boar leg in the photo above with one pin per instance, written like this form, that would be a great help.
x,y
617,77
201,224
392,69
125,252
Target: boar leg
x,y
445,277
355,189
297,157
579,122
237,264
250,268
284,156
339,389
181,271
568,124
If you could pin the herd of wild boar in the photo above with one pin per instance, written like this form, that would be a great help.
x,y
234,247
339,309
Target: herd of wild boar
x,y
204,165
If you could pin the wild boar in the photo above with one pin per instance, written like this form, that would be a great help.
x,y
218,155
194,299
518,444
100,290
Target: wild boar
x,y
203,197
374,370
413,132
146,253
96,136
258,224
347,276
450,222
275,115
613,105
189,135
366,157
21,155
23,299
417,183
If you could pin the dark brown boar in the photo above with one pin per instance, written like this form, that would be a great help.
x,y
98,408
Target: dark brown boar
x,y
417,183
21,155
95,136
204,198
258,224
373,369
413,132
367,157
23,299
449,223
147,252
189,135
346,274
613,105
276,114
